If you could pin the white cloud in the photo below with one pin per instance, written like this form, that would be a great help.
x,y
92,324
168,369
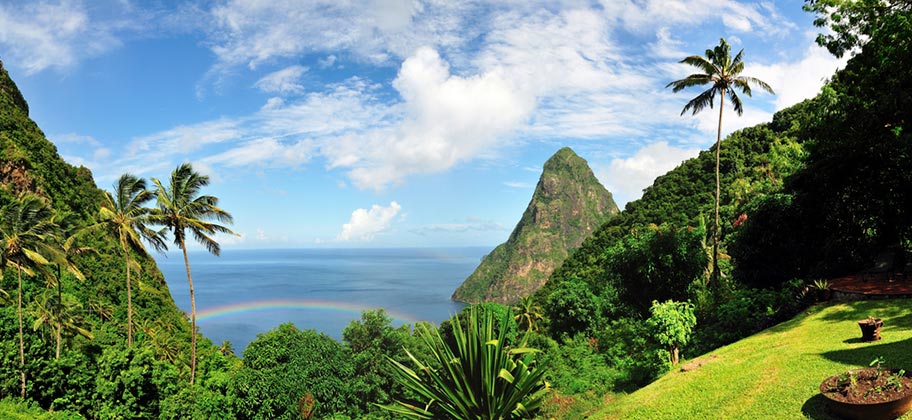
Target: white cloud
x,y
666,46
264,151
627,177
642,15
515,184
448,119
799,80
251,32
468,225
283,81
42,34
519,72
365,224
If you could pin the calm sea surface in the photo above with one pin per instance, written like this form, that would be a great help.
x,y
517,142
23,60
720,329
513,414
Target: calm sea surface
x,y
247,292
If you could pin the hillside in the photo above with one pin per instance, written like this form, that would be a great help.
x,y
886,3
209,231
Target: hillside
x,y
568,204
775,374
30,163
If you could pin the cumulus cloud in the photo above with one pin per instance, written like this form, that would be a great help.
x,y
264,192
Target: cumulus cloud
x,y
627,177
518,73
448,119
283,81
365,224
795,81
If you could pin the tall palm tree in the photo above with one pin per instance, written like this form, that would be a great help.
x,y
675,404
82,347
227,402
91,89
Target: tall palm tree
x,y
27,234
69,248
723,75
182,208
123,216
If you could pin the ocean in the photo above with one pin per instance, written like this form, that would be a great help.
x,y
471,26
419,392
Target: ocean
x,y
243,293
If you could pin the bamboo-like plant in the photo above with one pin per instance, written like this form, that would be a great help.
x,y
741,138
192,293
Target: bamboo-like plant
x,y
481,377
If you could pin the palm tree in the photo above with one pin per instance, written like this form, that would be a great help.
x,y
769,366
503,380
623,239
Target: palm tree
x,y
62,314
723,74
70,228
27,234
125,218
182,208
527,313
227,349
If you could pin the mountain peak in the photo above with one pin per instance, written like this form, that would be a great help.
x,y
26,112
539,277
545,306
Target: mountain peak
x,y
568,204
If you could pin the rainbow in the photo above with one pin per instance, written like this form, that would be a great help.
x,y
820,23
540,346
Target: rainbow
x,y
242,308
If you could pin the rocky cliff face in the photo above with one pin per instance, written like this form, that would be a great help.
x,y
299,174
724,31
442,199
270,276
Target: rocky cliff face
x,y
569,204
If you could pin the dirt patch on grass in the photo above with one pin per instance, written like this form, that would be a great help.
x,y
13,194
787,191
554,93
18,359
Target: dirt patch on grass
x,y
697,363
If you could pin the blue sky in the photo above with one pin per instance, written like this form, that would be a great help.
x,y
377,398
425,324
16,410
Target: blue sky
x,y
389,123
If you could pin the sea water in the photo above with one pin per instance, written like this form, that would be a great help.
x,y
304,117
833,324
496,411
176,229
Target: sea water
x,y
243,293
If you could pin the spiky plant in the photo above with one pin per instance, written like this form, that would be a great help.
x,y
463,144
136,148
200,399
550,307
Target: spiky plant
x,y
481,377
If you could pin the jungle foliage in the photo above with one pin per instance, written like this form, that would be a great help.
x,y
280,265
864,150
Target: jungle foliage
x,y
793,208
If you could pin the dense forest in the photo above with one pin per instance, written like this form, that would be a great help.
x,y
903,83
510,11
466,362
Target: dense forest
x,y
819,191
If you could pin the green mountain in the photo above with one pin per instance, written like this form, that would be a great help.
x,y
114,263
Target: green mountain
x,y
569,203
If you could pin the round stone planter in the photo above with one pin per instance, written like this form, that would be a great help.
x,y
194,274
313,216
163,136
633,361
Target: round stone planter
x,y
875,408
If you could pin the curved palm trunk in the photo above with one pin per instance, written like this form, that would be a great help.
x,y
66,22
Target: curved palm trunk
x,y
192,315
716,226
129,301
21,339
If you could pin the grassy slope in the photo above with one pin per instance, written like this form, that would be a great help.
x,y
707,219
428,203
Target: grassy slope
x,y
776,373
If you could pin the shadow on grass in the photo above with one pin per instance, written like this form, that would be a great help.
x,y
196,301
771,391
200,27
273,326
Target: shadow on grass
x,y
895,309
815,408
855,340
896,354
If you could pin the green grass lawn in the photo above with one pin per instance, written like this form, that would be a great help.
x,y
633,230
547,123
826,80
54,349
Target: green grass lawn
x,y
775,374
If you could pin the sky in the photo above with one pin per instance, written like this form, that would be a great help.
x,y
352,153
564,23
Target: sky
x,y
390,123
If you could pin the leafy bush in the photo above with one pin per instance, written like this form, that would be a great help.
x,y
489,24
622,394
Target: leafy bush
x,y
628,346
746,312
285,365
575,366
371,341
18,410
572,308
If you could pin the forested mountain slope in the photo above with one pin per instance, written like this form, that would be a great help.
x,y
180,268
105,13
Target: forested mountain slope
x,y
568,204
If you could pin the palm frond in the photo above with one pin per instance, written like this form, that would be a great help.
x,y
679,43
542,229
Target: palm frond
x,y
761,84
736,101
701,101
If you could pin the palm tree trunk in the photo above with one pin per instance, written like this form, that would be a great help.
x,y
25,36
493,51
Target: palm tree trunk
x,y
21,336
192,315
59,304
129,301
716,227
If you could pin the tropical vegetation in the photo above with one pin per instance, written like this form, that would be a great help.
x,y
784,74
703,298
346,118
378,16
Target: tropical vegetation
x,y
181,208
723,74
791,209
